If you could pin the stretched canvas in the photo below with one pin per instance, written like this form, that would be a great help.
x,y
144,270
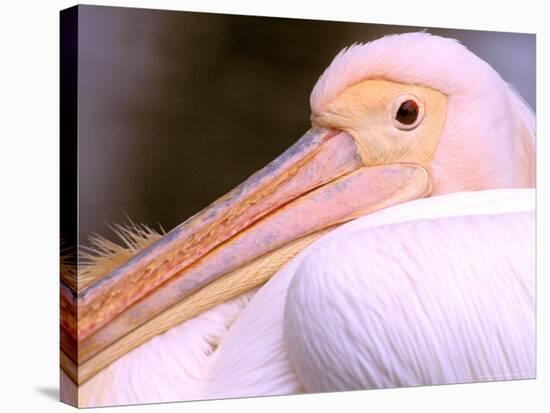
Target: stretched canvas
x,y
261,206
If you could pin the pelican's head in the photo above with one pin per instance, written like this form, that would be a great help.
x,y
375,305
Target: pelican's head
x,y
399,118
427,100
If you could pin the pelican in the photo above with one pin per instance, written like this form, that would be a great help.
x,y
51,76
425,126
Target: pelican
x,y
392,245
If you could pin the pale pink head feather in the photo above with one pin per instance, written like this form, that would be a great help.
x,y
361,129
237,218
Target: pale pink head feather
x,y
489,127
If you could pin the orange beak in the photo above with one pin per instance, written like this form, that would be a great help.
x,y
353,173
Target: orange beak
x,y
318,182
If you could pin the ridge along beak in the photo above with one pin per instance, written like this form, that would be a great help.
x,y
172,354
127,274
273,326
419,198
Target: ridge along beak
x,y
318,182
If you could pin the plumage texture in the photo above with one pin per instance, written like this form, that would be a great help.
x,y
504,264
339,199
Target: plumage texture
x,y
238,350
455,306
412,58
104,255
67,267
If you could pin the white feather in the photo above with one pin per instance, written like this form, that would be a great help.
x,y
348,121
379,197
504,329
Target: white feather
x,y
203,358
439,301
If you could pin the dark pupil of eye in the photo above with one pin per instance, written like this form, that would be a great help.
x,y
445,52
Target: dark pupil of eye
x,y
407,113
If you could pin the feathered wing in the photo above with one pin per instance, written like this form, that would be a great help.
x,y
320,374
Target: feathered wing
x,y
253,358
438,301
238,349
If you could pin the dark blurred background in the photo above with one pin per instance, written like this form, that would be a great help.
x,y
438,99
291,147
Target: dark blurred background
x,y
176,108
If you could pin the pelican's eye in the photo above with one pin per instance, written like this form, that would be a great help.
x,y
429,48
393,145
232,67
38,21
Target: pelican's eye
x,y
407,112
